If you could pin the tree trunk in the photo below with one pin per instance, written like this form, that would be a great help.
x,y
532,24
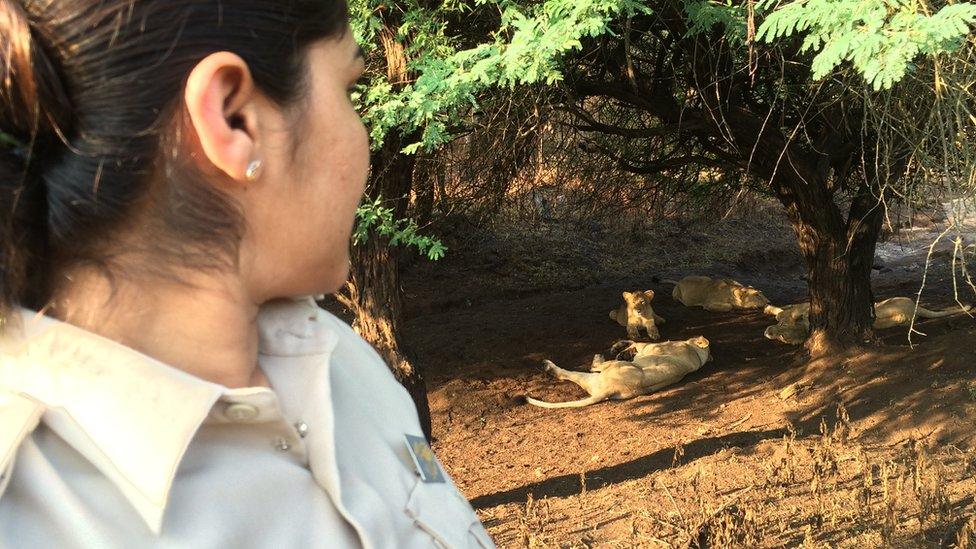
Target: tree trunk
x,y
838,254
841,300
373,291
838,259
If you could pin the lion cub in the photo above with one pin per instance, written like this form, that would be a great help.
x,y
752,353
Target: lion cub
x,y
655,366
716,294
636,313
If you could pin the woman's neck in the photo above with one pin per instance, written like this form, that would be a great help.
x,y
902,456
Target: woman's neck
x,y
206,327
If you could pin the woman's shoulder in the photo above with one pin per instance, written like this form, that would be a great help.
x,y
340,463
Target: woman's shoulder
x,y
19,413
302,330
354,352
300,326
19,416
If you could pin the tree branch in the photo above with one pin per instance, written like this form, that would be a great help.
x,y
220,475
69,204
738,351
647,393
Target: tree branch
x,y
593,125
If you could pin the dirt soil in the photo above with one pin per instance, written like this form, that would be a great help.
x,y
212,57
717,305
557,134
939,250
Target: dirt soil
x,y
759,448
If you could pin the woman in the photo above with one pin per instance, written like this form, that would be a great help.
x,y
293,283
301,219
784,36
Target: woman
x,y
192,168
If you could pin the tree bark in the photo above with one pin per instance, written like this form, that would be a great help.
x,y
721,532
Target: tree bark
x,y
839,282
838,254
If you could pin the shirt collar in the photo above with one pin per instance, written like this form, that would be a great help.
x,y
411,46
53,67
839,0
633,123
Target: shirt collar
x,y
132,416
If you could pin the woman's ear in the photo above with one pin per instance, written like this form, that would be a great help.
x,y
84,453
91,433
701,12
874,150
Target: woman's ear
x,y
220,100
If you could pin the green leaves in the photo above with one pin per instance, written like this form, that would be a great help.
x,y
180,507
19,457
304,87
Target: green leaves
x,y
705,14
402,232
524,48
880,38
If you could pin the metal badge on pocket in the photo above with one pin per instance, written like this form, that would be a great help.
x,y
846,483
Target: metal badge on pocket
x,y
423,458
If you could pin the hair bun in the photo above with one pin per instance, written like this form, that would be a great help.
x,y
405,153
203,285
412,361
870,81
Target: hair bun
x,y
33,101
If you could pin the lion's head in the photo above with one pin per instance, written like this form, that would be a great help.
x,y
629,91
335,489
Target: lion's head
x,y
639,301
792,333
639,306
750,298
703,347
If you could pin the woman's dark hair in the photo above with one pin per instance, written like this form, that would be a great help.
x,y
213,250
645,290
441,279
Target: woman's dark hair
x,y
90,110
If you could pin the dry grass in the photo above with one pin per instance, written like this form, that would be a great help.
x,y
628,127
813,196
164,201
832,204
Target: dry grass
x,y
825,490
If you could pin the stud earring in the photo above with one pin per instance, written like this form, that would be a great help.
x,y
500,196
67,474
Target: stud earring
x,y
253,170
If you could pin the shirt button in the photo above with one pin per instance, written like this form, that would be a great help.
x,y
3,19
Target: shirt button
x,y
302,428
282,445
240,412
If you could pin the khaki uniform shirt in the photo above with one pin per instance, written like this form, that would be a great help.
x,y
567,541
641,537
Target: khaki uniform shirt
x,y
102,446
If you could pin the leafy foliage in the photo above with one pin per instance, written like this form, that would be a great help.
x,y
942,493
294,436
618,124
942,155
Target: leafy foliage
x,y
525,47
504,44
703,15
880,38
375,216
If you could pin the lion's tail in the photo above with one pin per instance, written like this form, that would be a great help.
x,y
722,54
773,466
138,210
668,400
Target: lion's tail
x,y
926,313
571,404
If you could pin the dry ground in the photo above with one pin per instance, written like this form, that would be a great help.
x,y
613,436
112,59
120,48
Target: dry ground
x,y
759,448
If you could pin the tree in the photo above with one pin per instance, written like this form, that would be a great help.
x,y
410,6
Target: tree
x,y
660,87
427,65
686,84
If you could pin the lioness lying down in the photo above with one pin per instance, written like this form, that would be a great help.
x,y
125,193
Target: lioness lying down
x,y
789,313
628,350
636,313
655,366
792,333
793,321
716,294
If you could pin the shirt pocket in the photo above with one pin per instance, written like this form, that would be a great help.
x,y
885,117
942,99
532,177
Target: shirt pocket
x,y
439,509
